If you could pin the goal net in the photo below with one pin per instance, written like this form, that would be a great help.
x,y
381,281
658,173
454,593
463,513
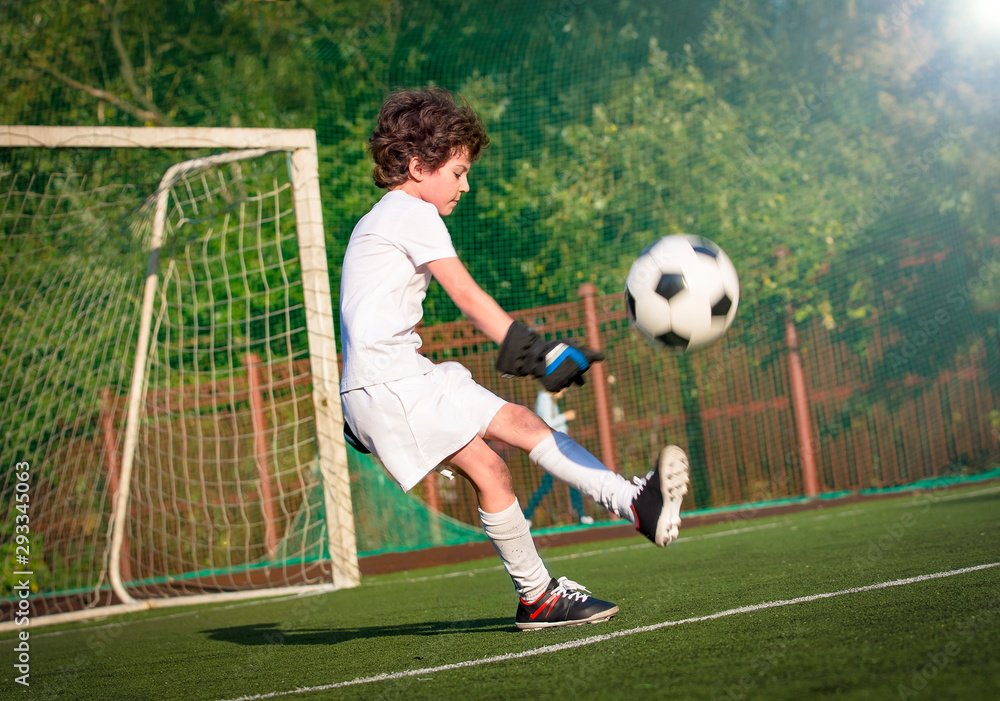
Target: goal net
x,y
168,371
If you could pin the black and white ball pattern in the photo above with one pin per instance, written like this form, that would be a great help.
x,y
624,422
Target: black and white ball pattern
x,y
682,291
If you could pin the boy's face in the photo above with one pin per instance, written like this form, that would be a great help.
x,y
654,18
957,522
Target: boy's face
x,y
444,186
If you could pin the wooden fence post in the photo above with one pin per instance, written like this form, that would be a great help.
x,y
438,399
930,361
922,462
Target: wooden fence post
x,y
587,293
260,452
109,444
800,408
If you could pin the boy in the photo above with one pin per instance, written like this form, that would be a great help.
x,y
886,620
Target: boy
x,y
415,415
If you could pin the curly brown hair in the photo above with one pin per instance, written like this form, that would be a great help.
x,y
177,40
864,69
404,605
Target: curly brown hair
x,y
425,124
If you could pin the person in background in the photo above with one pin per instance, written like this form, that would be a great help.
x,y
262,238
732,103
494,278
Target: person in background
x,y
547,407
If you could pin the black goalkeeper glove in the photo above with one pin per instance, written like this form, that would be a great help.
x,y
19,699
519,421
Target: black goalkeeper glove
x,y
558,364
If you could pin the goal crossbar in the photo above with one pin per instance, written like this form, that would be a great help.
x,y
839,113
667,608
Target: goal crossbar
x,y
155,137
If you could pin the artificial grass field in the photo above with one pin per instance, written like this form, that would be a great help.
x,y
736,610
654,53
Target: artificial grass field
x,y
682,632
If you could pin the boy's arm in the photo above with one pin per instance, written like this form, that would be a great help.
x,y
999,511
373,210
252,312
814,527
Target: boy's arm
x,y
479,307
558,364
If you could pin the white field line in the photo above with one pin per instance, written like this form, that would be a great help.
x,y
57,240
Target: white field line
x,y
427,578
604,551
494,568
582,642
205,608
929,497
621,548
574,556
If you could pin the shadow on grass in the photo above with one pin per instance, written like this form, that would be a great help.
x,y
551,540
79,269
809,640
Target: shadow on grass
x,y
273,634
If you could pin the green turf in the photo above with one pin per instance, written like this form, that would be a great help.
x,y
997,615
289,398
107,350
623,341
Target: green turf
x,y
929,639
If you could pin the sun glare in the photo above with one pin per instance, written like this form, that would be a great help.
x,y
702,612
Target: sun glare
x,y
986,14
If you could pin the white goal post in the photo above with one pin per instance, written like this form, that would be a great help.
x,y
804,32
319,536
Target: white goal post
x,y
225,203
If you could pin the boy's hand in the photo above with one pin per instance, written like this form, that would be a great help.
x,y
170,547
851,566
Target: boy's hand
x,y
558,364
565,364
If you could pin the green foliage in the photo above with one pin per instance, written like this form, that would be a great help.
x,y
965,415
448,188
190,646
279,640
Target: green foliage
x,y
231,271
782,130
68,291
41,577
843,154
187,63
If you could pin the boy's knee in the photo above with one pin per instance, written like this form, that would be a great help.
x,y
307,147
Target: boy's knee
x,y
500,472
518,426
526,415
525,420
483,467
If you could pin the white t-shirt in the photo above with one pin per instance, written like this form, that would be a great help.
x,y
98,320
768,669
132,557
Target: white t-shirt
x,y
382,289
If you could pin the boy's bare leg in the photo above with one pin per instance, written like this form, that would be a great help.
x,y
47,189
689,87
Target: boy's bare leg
x,y
502,518
545,602
563,458
488,473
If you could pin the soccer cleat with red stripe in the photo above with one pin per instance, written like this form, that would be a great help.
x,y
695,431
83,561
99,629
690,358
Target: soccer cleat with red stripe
x,y
657,503
564,603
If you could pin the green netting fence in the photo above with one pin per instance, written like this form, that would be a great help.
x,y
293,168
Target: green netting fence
x,y
845,155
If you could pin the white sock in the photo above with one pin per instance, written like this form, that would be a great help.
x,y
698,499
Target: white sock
x,y
570,462
508,530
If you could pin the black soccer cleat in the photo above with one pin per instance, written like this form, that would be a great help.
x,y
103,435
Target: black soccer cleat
x,y
564,603
657,504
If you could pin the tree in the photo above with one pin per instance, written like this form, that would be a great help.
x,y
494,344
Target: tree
x,y
191,63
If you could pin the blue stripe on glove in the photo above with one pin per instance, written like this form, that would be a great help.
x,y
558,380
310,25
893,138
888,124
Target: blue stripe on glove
x,y
562,352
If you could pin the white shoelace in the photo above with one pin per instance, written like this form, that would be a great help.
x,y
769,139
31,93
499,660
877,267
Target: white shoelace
x,y
640,482
571,589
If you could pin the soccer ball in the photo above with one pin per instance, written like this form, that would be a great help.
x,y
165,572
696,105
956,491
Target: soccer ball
x,y
682,292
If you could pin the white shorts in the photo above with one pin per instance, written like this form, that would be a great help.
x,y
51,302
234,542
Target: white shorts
x,y
413,424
